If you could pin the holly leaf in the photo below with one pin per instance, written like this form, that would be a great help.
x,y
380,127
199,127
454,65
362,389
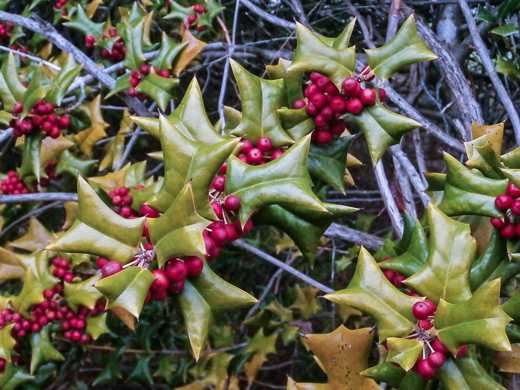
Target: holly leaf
x,y
404,352
83,293
189,52
133,38
97,326
63,80
160,89
42,350
36,238
127,289
51,149
73,165
284,181
203,297
7,342
404,49
122,84
260,100
343,354
187,160
115,148
328,161
10,268
296,123
86,139
306,301
479,320
98,230
178,232
11,88
445,275
32,292
36,90
81,22
484,151
168,52
292,81
370,292
329,56
141,371
382,127
386,372
37,264
13,377
31,155
508,361
468,192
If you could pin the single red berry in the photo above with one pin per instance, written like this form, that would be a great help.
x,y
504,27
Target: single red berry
x,y
338,104
264,144
431,305
161,281
398,281
144,68
255,156
209,244
48,294
367,72
176,270
298,104
223,168
319,100
310,91
217,208
18,107
368,96
232,202
382,94
513,191
68,277
503,202
322,83
424,368
231,231
389,274
111,268
508,231
199,8
219,183
515,207
425,324
90,39
330,89
497,223
276,153
149,212
421,310
176,287
350,86
219,235
338,128
192,18
462,351
195,265
436,359
323,136
64,122
246,146
354,106
165,73
314,77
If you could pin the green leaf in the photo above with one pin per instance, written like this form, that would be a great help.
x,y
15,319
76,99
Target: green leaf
x,y
96,326
203,297
178,232
260,100
479,320
115,148
122,84
405,48
187,160
329,56
506,30
83,293
297,123
466,373
160,89
98,230
328,162
31,155
485,15
292,81
133,38
63,80
282,181
37,263
382,127
73,165
14,376
387,373
141,371
507,67
512,305
42,350
507,8
168,52
81,22
372,293
445,275
404,351
11,88
110,371
127,289
468,192
7,342
304,226
37,89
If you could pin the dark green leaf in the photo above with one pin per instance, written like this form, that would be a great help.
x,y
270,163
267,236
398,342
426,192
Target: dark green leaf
x,y
42,350
160,89
81,22
133,38
168,52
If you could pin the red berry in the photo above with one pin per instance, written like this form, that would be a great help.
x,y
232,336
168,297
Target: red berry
x,y
462,351
68,277
497,223
165,73
149,212
398,281
350,86
425,324
199,8
436,359
231,232
331,89
161,281
314,77
338,128
503,202
298,104
232,202
312,110
321,121
323,136
219,235
431,305
319,100
64,122
223,168
195,265
176,287
219,183
513,191
18,107
264,144
515,207
176,270
209,244
382,94
246,146
368,96
508,231
217,208
48,294
422,310
425,369
192,18
255,156
276,153
322,83
90,39
367,72
354,106
111,268
338,104
310,91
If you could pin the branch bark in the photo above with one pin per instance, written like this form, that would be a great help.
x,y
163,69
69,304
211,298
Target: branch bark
x,y
355,236
39,197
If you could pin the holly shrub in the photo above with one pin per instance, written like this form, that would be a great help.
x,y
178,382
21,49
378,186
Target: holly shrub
x,y
132,215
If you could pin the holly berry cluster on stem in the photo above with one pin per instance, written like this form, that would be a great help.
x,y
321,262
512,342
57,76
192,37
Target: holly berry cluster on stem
x,y
12,185
6,30
137,75
509,203
118,51
191,21
42,116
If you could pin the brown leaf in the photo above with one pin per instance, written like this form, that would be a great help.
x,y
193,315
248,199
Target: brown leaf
x,y
51,149
86,139
10,268
292,385
306,301
190,51
36,238
508,361
125,316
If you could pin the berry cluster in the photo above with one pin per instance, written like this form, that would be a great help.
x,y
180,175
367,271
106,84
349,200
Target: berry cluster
x,y
118,51
327,104
121,201
262,154
172,278
6,30
397,279
509,203
191,22
50,171
61,3
60,269
137,75
43,116
12,185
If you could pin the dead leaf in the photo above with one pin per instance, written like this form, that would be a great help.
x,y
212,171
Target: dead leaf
x,y
10,268
36,238
508,361
86,139
306,301
190,51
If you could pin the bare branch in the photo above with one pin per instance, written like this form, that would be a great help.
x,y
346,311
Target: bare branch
x,y
352,235
267,16
39,197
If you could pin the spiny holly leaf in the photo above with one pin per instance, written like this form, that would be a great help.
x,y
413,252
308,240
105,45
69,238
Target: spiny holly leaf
x,y
31,155
82,22
37,89
508,361
283,181
98,230
36,238
86,139
122,84
304,226
187,160
189,52
484,151
178,232
292,81
37,263
168,52
83,293
479,320
160,89
73,165
468,192
466,373
386,372
51,149
110,371
96,326
10,268
203,297
14,376
328,161
329,56
372,293
306,301
446,272
297,123
260,100
382,127
7,342
42,350
141,371
405,48
127,289
404,351
11,88
131,175
63,80
343,354
32,292
115,148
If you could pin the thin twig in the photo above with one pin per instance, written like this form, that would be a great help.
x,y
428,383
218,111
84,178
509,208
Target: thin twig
x,y
25,217
39,197
355,236
267,16
30,57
